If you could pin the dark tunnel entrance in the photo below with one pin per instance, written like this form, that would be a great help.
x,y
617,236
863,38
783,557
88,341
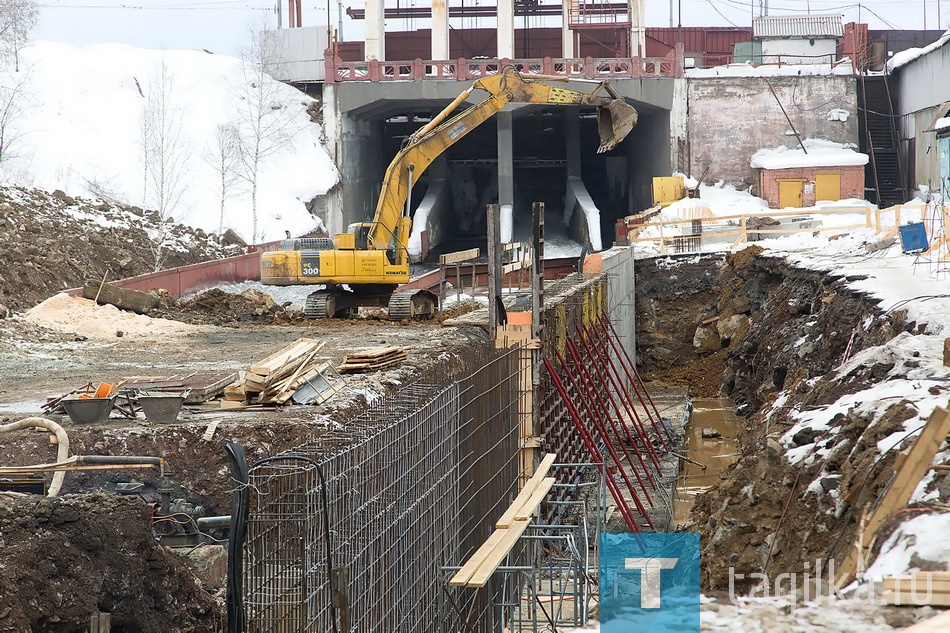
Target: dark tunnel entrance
x,y
618,182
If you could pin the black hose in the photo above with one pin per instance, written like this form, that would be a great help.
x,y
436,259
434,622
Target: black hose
x,y
240,505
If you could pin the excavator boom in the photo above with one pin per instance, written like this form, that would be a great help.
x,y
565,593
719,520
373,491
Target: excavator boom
x,y
372,258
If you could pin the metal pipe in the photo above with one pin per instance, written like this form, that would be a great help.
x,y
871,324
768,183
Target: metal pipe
x,y
62,441
205,523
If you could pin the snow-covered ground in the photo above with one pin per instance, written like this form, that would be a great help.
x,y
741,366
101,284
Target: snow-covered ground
x,y
76,124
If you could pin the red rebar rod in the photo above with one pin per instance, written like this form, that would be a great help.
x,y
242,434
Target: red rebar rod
x,y
594,394
614,378
602,431
612,485
633,383
636,374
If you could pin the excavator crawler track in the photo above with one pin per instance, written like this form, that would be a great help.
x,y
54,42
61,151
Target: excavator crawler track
x,y
324,304
412,304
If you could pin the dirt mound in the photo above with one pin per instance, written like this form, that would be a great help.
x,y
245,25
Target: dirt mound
x,y
217,307
50,242
64,559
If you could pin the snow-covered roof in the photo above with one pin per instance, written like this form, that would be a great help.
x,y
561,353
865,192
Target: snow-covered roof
x,y
749,69
942,124
797,26
821,153
903,58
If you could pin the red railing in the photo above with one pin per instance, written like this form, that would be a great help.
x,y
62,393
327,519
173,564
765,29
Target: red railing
x,y
373,70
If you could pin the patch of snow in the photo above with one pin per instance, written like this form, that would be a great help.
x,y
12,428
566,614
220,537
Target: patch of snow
x,y
924,536
942,123
902,58
820,153
749,69
838,114
80,130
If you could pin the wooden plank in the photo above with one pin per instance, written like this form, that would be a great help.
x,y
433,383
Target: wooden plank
x,y
459,256
898,493
910,599
539,474
462,576
937,624
922,582
509,516
275,361
209,432
499,553
510,268
530,507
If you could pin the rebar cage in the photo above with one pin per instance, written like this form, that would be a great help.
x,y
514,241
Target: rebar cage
x,y
410,486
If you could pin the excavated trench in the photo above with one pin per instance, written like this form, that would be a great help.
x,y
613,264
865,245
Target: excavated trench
x,y
772,337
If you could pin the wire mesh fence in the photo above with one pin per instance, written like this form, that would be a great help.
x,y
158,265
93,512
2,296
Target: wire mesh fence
x,y
350,532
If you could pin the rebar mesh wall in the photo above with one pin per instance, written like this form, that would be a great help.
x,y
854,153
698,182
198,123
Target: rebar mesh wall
x,y
411,486
571,304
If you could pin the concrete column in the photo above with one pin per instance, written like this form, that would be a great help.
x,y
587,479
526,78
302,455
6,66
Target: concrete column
x,y
375,30
638,25
506,29
506,160
572,134
567,35
440,30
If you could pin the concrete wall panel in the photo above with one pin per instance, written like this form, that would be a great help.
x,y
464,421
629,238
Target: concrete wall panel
x,y
731,118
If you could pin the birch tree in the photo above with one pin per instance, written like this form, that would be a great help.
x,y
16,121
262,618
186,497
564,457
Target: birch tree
x,y
17,19
165,157
225,157
267,122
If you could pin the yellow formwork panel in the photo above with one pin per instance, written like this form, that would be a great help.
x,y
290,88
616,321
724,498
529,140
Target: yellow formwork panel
x,y
668,189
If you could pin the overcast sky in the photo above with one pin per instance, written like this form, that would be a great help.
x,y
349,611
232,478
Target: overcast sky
x,y
222,26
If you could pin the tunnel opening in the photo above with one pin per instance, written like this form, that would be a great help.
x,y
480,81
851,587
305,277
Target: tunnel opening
x,y
468,174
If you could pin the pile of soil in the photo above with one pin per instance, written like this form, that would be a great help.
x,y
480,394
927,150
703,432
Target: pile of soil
x,y
51,242
217,307
65,559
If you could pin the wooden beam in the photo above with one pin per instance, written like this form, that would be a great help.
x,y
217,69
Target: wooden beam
x,y
530,507
462,576
896,496
539,474
459,256
491,562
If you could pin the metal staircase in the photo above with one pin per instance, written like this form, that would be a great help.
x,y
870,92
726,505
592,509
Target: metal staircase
x,y
878,133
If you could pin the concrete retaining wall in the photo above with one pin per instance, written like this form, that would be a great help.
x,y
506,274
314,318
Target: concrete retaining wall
x,y
730,118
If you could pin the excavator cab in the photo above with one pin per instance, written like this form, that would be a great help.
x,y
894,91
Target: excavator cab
x,y
360,231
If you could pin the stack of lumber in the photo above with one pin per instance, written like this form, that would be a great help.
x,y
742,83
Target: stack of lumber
x,y
375,358
918,589
274,380
478,569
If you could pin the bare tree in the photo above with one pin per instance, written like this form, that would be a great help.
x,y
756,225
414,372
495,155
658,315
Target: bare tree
x,y
10,110
225,157
17,19
267,124
166,157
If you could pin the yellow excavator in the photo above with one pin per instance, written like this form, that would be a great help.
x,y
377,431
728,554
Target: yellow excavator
x,y
372,258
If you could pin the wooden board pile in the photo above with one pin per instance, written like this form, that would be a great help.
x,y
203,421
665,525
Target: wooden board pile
x,y
375,358
925,587
274,380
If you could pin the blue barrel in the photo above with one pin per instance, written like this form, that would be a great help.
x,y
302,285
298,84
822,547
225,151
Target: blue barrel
x,y
913,237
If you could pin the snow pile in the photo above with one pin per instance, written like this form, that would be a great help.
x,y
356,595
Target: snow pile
x,y
923,536
75,315
79,127
820,153
750,69
903,58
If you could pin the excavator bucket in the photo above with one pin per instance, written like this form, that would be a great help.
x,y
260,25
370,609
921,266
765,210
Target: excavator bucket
x,y
614,122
